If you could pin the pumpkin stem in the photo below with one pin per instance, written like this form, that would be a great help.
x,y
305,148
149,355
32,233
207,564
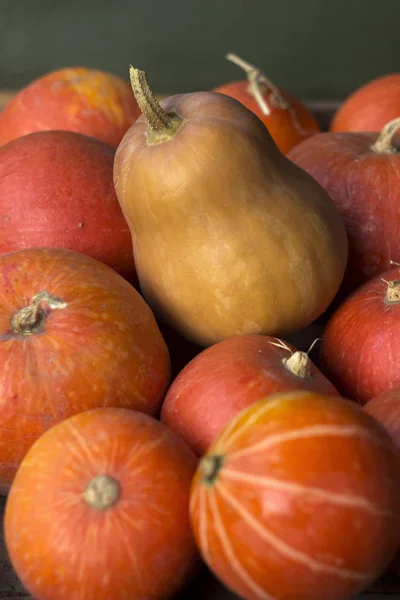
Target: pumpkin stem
x,y
102,492
210,467
393,291
388,141
30,319
259,85
299,364
161,126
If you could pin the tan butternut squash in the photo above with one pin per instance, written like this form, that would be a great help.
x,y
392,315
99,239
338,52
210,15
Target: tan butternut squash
x,y
230,237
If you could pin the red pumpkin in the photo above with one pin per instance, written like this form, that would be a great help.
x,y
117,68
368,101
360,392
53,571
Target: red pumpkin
x,y
386,409
229,376
298,498
113,490
74,336
56,189
361,173
370,106
360,350
286,118
86,101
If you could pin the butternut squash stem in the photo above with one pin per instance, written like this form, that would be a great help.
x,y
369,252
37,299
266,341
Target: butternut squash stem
x,y
102,492
388,141
29,320
161,125
210,467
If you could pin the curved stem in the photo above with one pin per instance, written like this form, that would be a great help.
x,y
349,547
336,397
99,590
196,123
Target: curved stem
x,y
29,320
385,144
259,85
161,124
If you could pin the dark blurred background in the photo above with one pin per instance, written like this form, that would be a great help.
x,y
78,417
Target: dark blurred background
x,y
315,48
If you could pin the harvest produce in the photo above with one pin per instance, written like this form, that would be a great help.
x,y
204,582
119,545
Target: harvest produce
x,y
74,336
361,173
298,498
77,99
371,106
56,189
386,409
228,377
359,350
113,490
230,237
287,118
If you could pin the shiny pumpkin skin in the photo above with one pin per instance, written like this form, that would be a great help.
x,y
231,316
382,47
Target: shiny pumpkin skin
x,y
365,188
305,502
288,126
359,349
226,378
141,547
370,107
88,101
103,349
385,408
56,190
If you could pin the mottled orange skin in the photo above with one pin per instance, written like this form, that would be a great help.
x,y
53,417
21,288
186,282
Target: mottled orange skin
x,y
103,349
83,100
287,127
305,505
226,378
370,107
141,547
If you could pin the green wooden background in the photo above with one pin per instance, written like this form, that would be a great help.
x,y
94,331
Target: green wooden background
x,y
315,48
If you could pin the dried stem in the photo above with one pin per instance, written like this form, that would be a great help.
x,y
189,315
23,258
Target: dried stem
x,y
161,125
385,144
30,319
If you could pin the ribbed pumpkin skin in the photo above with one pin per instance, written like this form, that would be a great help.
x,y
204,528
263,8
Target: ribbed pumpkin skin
x,y
298,498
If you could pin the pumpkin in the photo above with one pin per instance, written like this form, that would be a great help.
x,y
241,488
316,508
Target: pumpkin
x,y
113,490
229,376
56,190
74,335
361,174
298,498
287,119
359,351
88,101
370,106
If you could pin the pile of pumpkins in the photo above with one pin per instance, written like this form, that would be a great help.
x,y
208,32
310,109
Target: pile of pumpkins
x,y
155,257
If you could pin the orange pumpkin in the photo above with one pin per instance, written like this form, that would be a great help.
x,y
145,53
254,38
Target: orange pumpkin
x,y
298,498
99,510
74,335
88,101
287,119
